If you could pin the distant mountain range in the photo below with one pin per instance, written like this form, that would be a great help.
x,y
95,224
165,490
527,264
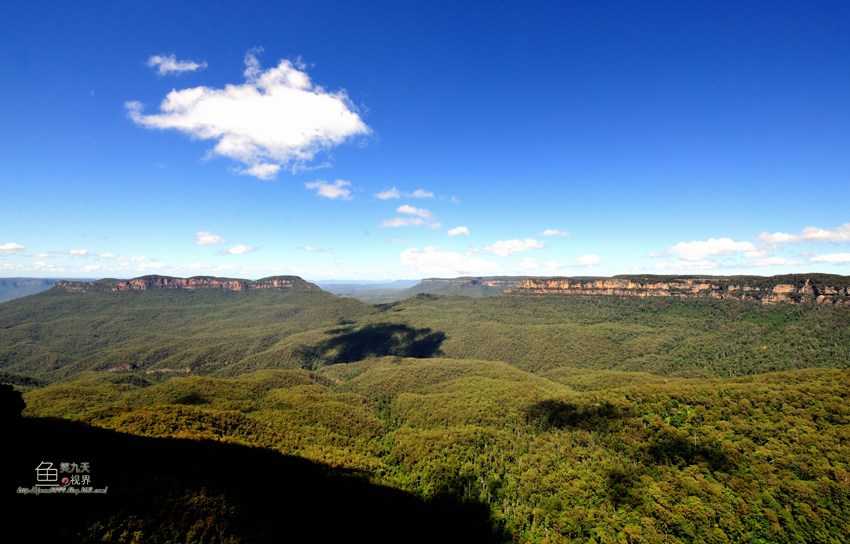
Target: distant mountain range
x,y
11,288
791,288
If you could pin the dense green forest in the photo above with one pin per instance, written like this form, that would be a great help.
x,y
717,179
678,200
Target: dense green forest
x,y
569,419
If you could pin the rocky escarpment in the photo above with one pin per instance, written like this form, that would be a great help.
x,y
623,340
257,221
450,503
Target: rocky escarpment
x,y
280,283
794,288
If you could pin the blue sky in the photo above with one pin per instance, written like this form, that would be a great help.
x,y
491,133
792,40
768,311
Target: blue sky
x,y
385,140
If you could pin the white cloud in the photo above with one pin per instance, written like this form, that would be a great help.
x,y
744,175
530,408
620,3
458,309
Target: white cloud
x,y
239,249
145,267
832,258
402,222
554,232
314,249
699,250
333,190
168,64
503,248
808,234
774,261
531,266
431,261
589,260
396,240
41,265
10,247
457,231
410,210
277,118
263,170
395,193
11,266
388,194
207,238
687,265
78,252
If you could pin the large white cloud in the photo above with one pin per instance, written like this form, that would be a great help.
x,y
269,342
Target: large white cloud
x,y
809,234
457,231
277,118
432,261
168,64
700,250
503,248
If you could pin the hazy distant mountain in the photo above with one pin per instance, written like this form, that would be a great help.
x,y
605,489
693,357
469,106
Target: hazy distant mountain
x,y
11,288
368,291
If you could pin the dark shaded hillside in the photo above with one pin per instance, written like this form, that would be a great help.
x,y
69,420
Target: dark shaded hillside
x,y
170,490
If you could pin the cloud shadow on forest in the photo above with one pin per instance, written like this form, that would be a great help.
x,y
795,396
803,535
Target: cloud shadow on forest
x,y
382,339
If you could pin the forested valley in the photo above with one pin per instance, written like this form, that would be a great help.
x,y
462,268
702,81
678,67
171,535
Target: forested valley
x,y
515,418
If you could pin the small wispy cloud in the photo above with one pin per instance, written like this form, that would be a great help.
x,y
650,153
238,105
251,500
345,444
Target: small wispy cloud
x,y
78,252
808,234
239,249
10,247
434,261
46,267
410,210
503,248
395,193
457,231
403,222
589,260
554,232
168,64
420,216
338,189
388,194
314,249
207,238
700,250
832,258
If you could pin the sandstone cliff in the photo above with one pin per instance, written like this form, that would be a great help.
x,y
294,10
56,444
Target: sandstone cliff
x,y
794,288
281,283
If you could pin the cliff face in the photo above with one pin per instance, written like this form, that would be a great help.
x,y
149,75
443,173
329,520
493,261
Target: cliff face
x,y
281,283
821,288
